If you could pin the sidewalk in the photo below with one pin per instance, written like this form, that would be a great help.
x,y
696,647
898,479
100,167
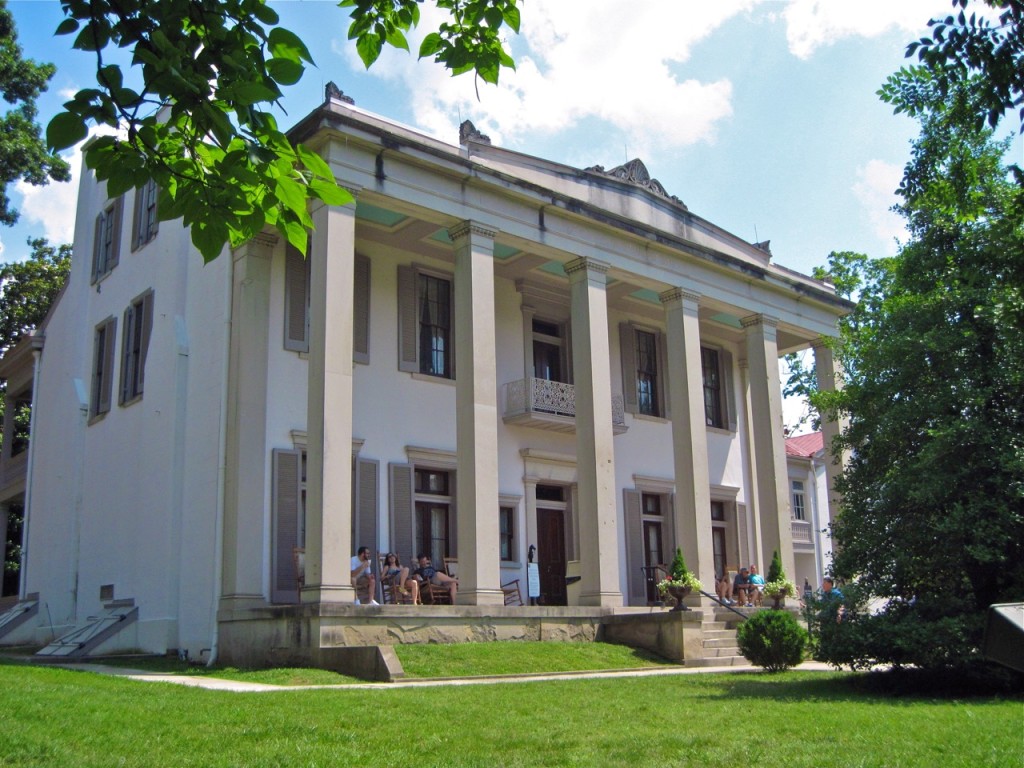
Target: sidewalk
x,y
219,684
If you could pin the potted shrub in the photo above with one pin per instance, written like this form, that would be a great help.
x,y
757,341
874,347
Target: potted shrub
x,y
680,582
778,587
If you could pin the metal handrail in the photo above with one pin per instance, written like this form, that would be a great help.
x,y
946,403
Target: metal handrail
x,y
714,599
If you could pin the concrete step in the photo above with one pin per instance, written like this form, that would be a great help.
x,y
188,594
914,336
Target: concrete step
x,y
721,642
717,634
720,661
721,653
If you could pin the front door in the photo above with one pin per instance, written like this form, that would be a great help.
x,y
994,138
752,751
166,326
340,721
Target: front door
x,y
551,556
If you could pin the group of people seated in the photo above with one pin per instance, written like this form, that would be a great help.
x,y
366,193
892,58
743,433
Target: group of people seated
x,y
398,577
744,589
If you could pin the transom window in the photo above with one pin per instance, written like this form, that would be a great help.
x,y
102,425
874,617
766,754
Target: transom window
x,y
433,514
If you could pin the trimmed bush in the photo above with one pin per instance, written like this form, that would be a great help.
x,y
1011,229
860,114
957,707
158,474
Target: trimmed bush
x,y
773,640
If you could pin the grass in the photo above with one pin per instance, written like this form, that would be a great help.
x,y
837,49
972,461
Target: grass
x,y
509,658
55,717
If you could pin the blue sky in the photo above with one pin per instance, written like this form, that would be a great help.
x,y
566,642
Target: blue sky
x,y
761,115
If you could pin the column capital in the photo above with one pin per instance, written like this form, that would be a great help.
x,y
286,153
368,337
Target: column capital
x,y
679,294
261,246
583,264
823,342
316,205
758,319
468,227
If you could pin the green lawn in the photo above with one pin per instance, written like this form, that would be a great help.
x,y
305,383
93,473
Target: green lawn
x,y
54,717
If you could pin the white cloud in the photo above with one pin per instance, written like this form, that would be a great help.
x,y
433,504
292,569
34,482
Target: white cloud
x,y
811,24
875,188
603,62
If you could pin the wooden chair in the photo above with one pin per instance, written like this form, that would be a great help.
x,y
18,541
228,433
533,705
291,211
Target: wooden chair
x,y
299,561
390,594
512,594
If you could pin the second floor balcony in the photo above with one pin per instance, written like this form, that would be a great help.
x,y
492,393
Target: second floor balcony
x,y
803,535
550,405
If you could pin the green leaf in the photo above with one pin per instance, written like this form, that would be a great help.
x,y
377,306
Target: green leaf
x,y
291,194
67,26
65,130
330,192
368,47
285,71
210,238
295,233
512,18
285,44
313,162
251,92
397,40
431,44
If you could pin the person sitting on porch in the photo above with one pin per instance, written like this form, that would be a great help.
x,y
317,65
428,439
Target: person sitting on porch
x,y
397,575
757,582
723,588
428,572
362,576
742,588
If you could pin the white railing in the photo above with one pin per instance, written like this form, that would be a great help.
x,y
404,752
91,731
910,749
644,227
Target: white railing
x,y
551,397
802,533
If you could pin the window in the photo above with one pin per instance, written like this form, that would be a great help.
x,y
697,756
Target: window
x,y
434,521
506,537
549,361
102,367
435,305
144,219
653,551
643,376
647,374
712,375
426,335
718,510
799,502
106,245
138,323
296,304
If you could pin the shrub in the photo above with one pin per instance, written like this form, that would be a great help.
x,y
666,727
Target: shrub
x,y
773,640
775,572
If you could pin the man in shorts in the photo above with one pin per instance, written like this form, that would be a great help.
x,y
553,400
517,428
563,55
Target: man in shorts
x,y
362,576
427,572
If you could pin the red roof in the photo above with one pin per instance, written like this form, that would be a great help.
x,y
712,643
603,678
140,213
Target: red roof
x,y
804,446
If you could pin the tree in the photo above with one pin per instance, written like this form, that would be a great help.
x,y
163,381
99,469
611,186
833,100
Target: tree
x,y
27,291
932,513
970,48
23,154
200,123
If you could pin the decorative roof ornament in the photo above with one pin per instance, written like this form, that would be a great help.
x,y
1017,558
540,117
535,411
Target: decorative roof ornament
x,y
764,245
332,91
468,133
635,172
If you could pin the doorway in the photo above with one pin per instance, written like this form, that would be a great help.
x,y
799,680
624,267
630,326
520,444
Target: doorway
x,y
551,554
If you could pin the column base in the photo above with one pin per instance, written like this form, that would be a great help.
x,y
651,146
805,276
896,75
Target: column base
x,y
320,593
480,597
603,599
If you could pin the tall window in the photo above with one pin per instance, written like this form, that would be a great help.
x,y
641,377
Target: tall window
x,y
506,538
799,500
435,305
712,375
647,373
548,351
433,518
144,221
106,245
102,367
138,323
654,553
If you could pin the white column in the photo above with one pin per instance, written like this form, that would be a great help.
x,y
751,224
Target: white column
x,y
752,508
769,443
329,408
476,416
246,446
599,541
829,378
692,512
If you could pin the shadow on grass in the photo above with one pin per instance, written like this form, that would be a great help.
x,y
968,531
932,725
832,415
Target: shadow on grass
x,y
891,686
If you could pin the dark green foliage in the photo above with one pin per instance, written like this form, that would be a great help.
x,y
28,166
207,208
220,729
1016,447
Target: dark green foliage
x,y
22,152
932,518
28,288
773,640
971,49
775,572
678,568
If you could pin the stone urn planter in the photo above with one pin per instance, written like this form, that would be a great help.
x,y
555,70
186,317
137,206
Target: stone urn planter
x,y
678,594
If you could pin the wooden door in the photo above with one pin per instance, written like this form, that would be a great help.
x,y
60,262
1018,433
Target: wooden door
x,y
551,556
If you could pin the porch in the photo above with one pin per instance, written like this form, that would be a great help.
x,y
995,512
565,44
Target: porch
x,y
359,640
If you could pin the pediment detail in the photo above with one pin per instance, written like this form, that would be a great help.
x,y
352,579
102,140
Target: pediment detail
x,y
635,172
